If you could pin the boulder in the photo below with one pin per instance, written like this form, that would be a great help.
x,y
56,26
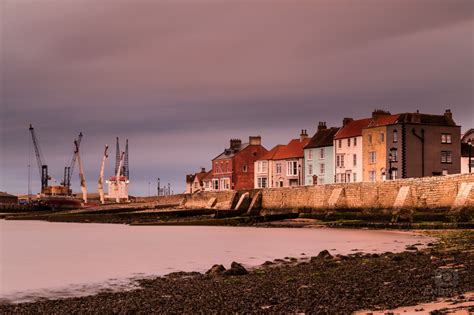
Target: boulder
x,y
216,270
324,255
236,269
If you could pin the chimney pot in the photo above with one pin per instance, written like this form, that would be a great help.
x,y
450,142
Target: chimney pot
x,y
322,125
255,140
346,121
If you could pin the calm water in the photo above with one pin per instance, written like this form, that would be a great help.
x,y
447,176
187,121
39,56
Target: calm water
x,y
42,259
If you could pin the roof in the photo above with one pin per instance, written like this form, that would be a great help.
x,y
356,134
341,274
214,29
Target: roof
x,y
228,153
322,138
294,149
207,176
271,154
426,119
353,128
190,178
384,120
200,175
468,135
4,194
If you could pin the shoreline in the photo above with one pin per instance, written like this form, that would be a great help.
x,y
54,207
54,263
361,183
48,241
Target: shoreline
x,y
316,284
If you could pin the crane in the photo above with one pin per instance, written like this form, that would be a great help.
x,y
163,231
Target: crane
x,y
43,168
101,176
81,173
69,170
117,177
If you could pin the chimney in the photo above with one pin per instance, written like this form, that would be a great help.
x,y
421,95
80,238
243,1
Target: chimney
x,y
235,144
378,113
303,135
345,121
416,117
322,125
448,114
203,170
255,140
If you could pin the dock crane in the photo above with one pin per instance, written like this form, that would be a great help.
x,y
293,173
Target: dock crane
x,y
101,176
117,176
81,173
43,168
69,170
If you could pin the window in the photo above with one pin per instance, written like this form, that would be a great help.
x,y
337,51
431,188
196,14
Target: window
x,y
322,168
372,176
340,160
446,157
262,182
354,159
227,167
355,141
354,177
322,154
348,177
395,136
278,168
394,174
348,142
244,168
215,184
340,143
262,167
369,137
225,183
394,154
372,157
310,169
445,138
310,155
382,137
291,168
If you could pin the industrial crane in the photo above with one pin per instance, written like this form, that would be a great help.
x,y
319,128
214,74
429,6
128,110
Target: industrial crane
x,y
43,168
117,177
101,176
81,173
69,170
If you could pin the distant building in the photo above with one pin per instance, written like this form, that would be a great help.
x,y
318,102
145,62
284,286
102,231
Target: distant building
x,y
194,182
8,199
411,145
348,150
283,165
467,152
319,156
234,168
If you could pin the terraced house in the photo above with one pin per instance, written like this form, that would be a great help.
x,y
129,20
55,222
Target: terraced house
x,y
319,156
411,145
348,150
283,165
234,168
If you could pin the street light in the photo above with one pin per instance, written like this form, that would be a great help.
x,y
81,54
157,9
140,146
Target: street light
x,y
391,160
158,189
469,143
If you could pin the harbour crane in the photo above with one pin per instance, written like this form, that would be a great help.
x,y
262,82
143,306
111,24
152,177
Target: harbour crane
x,y
43,168
101,175
117,176
81,173
69,170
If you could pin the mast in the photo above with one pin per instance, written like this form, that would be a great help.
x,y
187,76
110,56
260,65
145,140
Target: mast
x,y
117,176
126,171
81,173
117,156
101,176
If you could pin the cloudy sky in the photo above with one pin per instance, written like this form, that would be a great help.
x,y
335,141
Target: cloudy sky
x,y
179,78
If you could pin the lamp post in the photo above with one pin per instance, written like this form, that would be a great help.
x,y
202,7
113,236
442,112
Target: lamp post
x,y
299,175
158,187
390,161
469,143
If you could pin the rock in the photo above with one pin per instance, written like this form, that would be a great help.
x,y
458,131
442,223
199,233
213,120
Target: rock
x,y
268,263
236,269
216,270
411,247
324,255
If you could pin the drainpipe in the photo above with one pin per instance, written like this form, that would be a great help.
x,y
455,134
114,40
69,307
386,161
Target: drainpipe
x,y
422,139
404,148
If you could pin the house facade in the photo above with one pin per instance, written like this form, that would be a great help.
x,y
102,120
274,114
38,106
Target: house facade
x,y
348,151
234,168
194,182
467,152
283,166
319,156
411,145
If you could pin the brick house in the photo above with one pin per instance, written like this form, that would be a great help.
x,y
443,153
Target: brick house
x,y
410,145
283,165
467,152
318,156
234,168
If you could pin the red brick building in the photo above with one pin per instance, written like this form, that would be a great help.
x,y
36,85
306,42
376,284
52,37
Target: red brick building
x,y
234,168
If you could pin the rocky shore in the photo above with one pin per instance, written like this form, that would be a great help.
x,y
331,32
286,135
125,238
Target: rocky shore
x,y
321,284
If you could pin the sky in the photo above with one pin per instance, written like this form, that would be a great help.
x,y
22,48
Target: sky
x,y
180,78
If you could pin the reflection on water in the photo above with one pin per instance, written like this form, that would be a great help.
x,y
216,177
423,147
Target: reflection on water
x,y
42,259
